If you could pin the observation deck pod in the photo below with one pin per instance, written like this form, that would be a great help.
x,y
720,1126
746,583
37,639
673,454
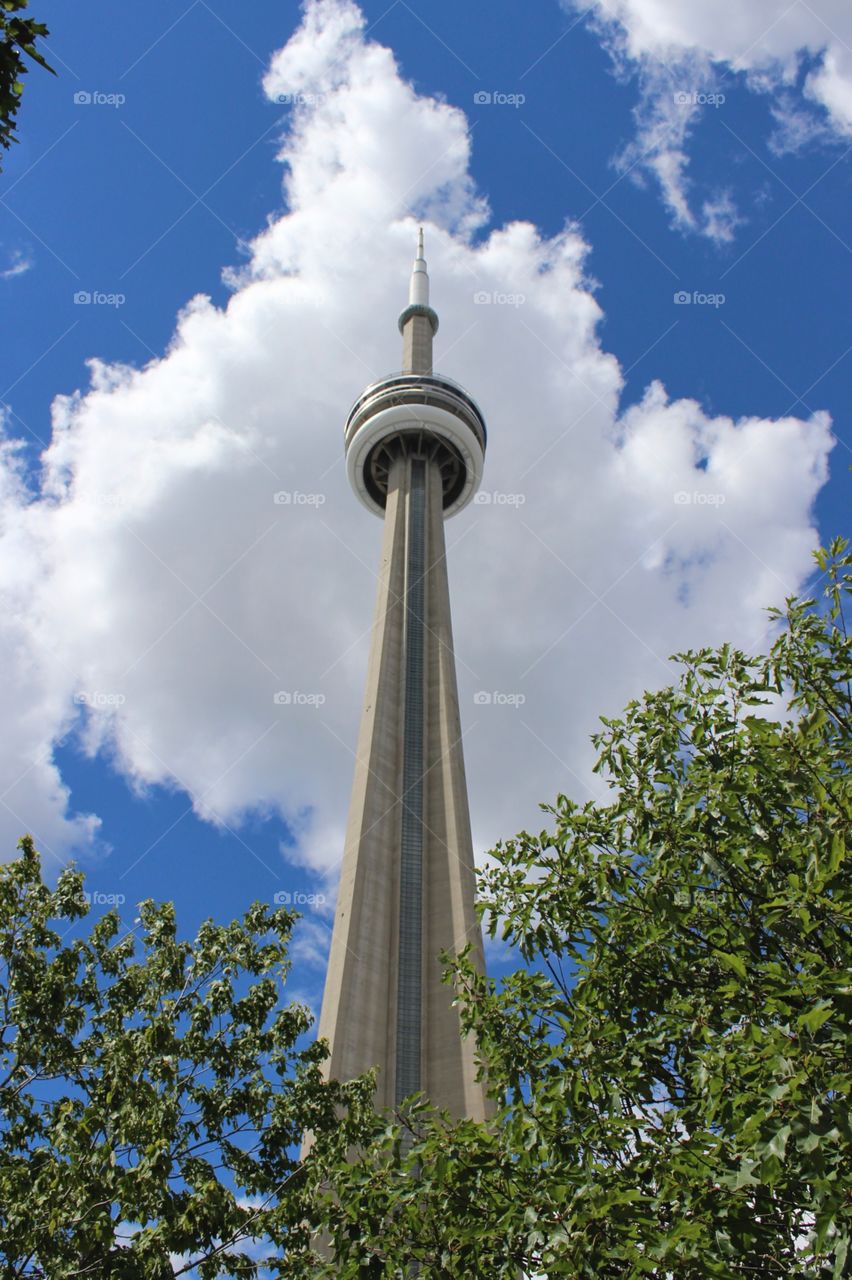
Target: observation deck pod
x,y
419,415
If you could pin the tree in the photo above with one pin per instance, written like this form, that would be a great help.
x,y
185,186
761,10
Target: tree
x,y
674,1062
150,1106
17,36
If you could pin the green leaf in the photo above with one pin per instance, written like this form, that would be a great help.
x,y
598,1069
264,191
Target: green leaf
x,y
815,1017
733,962
778,1142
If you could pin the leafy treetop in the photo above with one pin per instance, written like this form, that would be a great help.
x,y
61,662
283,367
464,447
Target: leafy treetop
x,y
674,1064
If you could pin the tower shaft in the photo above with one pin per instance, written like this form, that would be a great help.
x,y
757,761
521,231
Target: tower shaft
x,y
417,345
407,882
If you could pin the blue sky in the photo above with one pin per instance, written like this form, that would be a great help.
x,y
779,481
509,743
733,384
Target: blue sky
x,y
149,165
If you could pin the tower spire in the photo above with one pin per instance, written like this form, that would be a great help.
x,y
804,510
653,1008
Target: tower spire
x,y
418,290
418,323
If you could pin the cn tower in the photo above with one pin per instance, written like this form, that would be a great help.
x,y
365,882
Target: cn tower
x,y
415,446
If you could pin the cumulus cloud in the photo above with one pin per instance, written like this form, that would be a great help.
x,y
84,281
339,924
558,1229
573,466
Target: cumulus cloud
x,y
18,264
686,54
190,589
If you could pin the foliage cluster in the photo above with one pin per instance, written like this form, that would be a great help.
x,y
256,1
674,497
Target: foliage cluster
x,y
18,36
151,1099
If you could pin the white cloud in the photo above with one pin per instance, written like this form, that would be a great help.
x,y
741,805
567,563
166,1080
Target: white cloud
x,y
685,55
155,573
310,944
19,263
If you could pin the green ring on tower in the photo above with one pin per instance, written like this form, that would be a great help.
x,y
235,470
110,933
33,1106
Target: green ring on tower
x,y
419,309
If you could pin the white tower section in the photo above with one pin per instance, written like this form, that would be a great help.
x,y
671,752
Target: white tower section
x,y
415,444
